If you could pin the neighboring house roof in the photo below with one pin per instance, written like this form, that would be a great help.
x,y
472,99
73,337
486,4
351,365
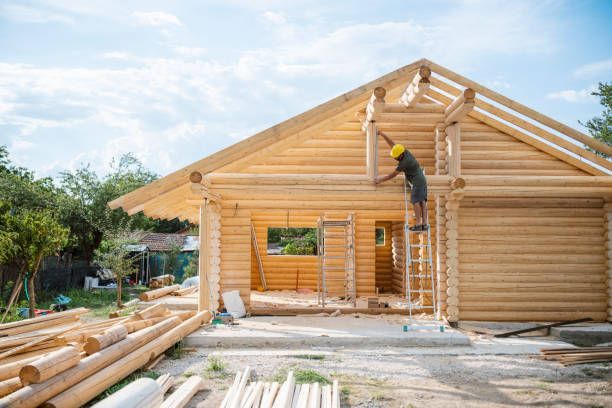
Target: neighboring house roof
x,y
166,197
160,242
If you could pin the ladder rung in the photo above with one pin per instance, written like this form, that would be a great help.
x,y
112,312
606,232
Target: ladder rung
x,y
335,268
419,245
421,291
333,257
422,307
338,246
326,235
420,276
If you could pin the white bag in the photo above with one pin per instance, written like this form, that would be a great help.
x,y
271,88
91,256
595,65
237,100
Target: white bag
x,y
234,304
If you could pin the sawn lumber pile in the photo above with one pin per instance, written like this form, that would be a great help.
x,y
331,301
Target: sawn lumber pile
x,y
60,361
274,395
579,355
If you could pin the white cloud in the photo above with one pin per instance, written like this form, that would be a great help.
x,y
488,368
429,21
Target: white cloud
x,y
156,18
117,55
275,17
594,69
574,96
27,14
19,145
190,51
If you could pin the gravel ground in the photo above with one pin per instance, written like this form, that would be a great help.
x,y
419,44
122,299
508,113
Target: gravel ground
x,y
409,377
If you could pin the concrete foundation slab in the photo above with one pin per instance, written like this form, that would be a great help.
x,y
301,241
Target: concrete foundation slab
x,y
584,335
339,331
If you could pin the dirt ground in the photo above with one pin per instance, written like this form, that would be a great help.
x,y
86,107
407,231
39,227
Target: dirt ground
x,y
409,377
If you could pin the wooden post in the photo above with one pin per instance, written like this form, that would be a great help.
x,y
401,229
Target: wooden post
x,y
204,294
372,150
453,150
608,235
440,155
452,254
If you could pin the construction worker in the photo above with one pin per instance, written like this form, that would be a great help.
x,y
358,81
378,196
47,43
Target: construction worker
x,y
413,172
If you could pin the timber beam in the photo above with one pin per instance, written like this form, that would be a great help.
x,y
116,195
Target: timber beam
x,y
460,107
200,187
417,88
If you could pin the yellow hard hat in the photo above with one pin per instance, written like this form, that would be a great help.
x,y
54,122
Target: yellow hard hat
x,y
397,150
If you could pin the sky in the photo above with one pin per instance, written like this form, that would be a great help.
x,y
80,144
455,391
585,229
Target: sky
x,y
82,82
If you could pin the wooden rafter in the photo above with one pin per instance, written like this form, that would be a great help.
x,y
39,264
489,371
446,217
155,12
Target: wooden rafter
x,y
528,126
460,107
520,108
502,127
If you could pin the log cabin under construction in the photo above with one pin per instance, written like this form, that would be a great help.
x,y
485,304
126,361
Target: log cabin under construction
x,y
518,202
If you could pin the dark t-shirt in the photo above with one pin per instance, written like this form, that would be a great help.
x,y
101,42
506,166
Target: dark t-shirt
x,y
410,166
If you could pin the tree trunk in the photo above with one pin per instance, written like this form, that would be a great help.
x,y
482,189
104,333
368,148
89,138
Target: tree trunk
x,y
119,286
31,292
32,288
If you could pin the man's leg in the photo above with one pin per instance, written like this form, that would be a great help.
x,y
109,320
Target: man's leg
x,y
424,213
418,214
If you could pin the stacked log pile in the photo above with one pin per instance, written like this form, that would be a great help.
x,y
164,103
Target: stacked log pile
x,y
274,395
60,361
578,355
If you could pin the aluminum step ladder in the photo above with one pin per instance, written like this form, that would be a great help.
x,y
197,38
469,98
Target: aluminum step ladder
x,y
337,256
419,274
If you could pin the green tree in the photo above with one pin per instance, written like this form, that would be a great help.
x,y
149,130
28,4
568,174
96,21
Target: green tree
x,y
191,269
84,204
113,254
171,258
601,127
26,237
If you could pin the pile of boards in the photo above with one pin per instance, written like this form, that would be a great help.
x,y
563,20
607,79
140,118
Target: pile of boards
x,y
174,290
577,355
149,393
273,395
59,361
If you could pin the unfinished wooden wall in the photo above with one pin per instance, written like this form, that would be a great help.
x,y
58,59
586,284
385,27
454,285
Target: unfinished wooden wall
x,y
487,151
236,251
384,260
532,259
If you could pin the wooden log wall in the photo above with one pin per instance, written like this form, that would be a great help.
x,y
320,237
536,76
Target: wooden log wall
x,y
236,251
289,272
487,151
384,260
440,223
608,237
342,150
532,259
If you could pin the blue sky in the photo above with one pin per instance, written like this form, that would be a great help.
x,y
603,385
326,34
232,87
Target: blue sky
x,y
173,81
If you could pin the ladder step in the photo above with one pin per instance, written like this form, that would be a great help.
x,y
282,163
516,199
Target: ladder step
x,y
419,245
336,268
327,235
421,291
422,307
338,246
333,257
420,276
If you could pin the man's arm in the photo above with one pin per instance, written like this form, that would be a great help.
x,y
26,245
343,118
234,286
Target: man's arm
x,y
389,176
387,139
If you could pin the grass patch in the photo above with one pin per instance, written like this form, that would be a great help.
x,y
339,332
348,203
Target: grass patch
x,y
309,356
215,364
101,302
378,396
127,380
345,390
215,368
545,387
309,377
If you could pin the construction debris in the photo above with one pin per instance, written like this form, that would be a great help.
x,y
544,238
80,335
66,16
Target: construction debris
x,y
578,355
59,361
273,395
161,281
